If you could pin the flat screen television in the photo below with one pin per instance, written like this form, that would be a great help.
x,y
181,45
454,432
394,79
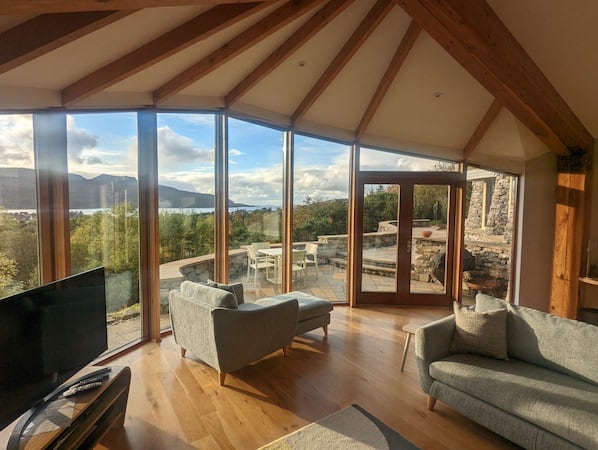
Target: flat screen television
x,y
47,334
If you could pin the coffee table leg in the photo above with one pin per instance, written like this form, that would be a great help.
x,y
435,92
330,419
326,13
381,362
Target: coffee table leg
x,y
405,349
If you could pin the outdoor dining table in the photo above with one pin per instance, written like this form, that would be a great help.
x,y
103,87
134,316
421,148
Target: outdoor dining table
x,y
276,254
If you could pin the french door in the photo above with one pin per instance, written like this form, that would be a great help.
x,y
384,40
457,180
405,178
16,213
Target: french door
x,y
405,225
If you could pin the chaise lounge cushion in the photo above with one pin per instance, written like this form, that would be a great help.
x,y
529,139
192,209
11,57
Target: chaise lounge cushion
x,y
309,306
214,297
556,402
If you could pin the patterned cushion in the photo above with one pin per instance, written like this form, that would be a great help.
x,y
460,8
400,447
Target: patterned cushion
x,y
482,333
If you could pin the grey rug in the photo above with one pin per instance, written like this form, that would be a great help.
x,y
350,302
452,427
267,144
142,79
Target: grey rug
x,y
350,428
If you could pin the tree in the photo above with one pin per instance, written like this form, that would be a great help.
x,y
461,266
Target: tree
x,y
379,206
8,271
18,241
430,201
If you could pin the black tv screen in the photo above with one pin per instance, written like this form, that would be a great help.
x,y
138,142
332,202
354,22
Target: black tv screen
x,y
47,334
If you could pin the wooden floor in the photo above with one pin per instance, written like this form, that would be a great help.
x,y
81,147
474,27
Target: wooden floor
x,y
176,403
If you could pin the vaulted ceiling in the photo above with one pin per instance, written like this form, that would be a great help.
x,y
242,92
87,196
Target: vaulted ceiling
x,y
496,83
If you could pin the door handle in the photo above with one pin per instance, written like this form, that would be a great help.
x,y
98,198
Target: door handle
x,y
408,245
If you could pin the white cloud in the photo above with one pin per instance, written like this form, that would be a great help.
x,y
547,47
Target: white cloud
x,y
89,155
175,151
16,141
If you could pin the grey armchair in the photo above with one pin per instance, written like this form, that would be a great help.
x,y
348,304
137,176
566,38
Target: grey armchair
x,y
218,327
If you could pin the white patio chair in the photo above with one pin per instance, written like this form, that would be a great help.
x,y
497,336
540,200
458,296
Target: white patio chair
x,y
256,263
311,255
299,265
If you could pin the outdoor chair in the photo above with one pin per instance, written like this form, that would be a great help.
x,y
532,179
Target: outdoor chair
x,y
311,255
299,264
257,263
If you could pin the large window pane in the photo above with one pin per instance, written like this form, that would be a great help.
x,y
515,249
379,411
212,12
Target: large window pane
x,y
19,267
490,207
389,161
186,201
321,196
255,208
104,219
380,227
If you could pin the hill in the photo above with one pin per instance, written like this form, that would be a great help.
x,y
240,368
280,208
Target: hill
x,y
18,191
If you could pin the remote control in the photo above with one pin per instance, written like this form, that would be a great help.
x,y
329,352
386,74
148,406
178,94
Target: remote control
x,y
82,388
91,380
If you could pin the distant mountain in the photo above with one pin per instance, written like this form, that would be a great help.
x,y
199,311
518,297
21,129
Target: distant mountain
x,y
18,191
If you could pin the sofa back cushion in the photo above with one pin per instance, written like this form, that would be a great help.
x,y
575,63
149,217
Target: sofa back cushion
x,y
213,296
564,345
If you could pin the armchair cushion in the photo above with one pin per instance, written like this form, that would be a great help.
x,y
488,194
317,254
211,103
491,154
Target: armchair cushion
x,y
219,298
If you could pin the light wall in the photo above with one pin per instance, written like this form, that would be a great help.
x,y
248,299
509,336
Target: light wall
x,y
536,233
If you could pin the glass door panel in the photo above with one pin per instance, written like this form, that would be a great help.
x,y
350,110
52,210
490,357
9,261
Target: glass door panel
x,y
404,254
379,240
429,238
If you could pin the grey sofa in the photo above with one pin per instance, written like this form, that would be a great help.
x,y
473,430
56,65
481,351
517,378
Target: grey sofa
x,y
543,396
216,325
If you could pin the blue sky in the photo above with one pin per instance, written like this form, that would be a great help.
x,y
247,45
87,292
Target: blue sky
x,y
107,143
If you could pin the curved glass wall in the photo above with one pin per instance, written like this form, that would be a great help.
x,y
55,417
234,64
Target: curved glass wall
x,y
255,175
19,259
104,212
186,201
320,202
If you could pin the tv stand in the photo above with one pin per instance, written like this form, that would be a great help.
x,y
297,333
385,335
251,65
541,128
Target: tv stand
x,y
78,421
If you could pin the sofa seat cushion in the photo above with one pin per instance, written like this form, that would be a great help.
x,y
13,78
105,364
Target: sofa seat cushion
x,y
558,403
309,306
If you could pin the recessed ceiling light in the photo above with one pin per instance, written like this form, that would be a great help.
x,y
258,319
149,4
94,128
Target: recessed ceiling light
x,y
437,94
301,63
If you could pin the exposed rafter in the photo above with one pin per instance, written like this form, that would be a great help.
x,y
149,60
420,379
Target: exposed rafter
x,y
482,128
318,21
474,35
261,30
61,6
181,37
42,34
373,18
391,72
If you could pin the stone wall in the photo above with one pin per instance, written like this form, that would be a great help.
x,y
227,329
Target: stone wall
x,y
424,252
476,205
500,217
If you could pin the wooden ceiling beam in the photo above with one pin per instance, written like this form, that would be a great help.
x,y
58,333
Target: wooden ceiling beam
x,y
482,128
318,21
175,40
472,33
395,65
367,26
42,34
36,7
273,22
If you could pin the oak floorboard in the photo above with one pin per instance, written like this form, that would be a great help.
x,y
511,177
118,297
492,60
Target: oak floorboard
x,y
176,403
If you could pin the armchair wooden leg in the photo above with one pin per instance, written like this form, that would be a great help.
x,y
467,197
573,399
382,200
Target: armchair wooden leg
x,y
221,377
431,402
325,328
285,350
183,351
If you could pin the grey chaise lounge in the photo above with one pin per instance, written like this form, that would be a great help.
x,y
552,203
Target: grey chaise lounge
x,y
218,327
543,396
